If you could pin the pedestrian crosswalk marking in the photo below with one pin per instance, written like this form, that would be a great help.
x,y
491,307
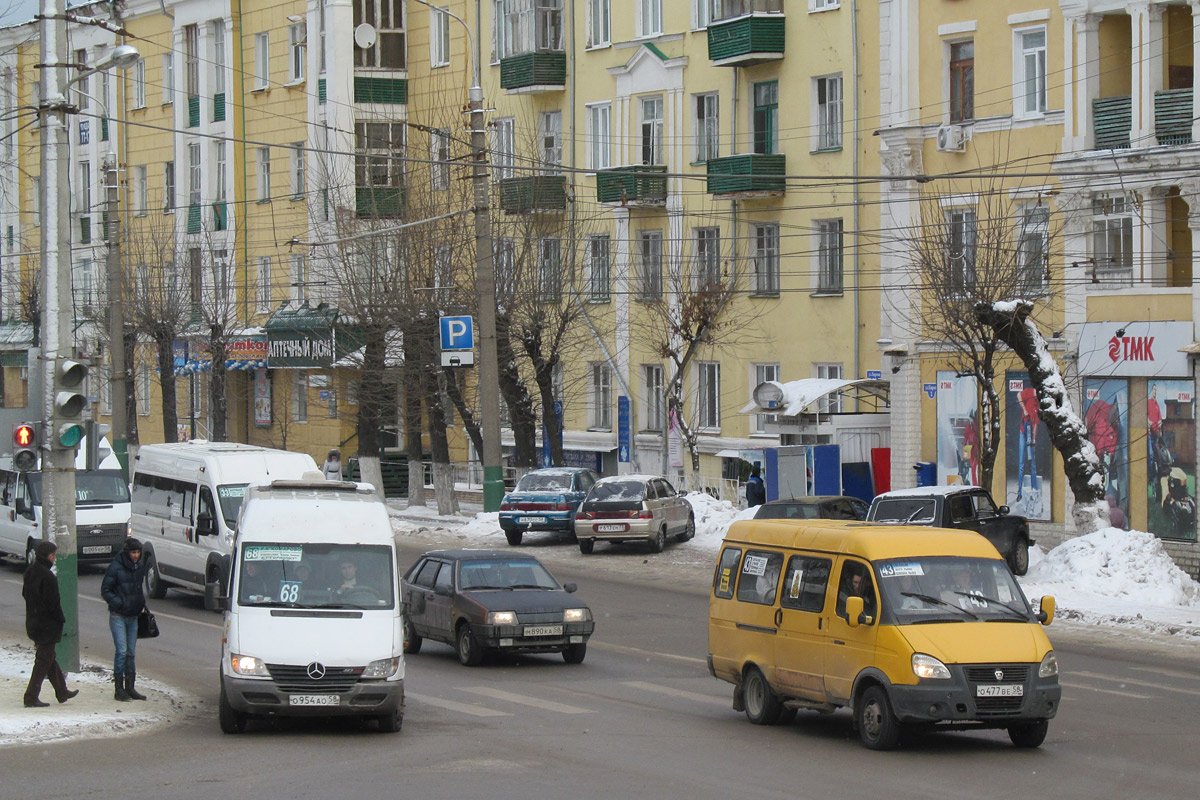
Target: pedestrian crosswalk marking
x,y
681,693
1135,682
545,705
1105,691
462,708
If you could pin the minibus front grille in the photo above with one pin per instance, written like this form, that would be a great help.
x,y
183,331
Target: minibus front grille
x,y
997,673
290,678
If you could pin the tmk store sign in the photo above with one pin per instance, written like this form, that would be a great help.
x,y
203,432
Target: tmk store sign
x,y
1134,349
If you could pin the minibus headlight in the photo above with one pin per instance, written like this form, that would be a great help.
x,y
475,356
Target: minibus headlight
x,y
383,668
1049,667
248,665
924,666
502,618
576,615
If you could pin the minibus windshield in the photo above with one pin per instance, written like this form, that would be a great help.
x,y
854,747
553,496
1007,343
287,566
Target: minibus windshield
x,y
231,496
930,589
92,488
315,575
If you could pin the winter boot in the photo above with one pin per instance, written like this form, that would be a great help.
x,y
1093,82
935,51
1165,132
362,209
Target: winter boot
x,y
120,693
129,690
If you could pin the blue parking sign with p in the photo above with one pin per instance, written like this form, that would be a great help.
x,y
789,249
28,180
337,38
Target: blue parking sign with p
x,y
458,333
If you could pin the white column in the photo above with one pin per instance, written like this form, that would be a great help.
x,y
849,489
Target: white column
x,y
1082,81
622,284
1195,4
1076,211
1147,75
1155,240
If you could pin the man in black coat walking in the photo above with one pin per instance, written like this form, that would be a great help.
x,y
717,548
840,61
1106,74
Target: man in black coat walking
x,y
44,620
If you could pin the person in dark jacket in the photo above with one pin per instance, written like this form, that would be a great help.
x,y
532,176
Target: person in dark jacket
x,y
756,490
44,622
122,590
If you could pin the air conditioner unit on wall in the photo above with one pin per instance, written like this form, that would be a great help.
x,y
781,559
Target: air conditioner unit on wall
x,y
951,138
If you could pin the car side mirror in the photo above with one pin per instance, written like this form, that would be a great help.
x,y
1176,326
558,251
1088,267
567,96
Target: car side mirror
x,y
854,611
1004,510
570,588
205,525
214,599
22,506
1046,612
444,591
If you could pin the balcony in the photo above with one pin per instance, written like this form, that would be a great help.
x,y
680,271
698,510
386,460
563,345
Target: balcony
x,y
530,73
531,193
1173,116
747,40
194,111
1111,119
219,107
378,201
637,185
390,91
750,175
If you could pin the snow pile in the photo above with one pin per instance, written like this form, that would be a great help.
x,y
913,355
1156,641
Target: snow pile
x,y
713,518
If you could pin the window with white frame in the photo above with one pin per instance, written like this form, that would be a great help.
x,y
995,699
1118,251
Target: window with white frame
x,y
83,94
830,254
379,154
600,400
322,25
222,279
528,26
708,395
141,184
299,277
830,403
823,5
84,285
387,17
194,174
195,275
1033,247
218,55
297,170
549,269
300,395
143,390
1030,79
707,130
962,80
264,174
439,37
504,264
85,187
439,154
1112,238
655,400
960,251
766,259
652,130
168,187
829,111
503,151
599,123
262,285
649,18
650,277
762,374
443,274
297,41
550,130
730,9
191,60
221,188
168,78
599,279
706,258
139,83
599,30
701,14
262,60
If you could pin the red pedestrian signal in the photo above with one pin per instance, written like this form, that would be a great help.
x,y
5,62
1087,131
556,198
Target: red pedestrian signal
x,y
25,446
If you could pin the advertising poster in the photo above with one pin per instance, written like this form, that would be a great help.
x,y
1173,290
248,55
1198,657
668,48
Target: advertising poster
x,y
262,399
1171,459
1028,453
957,429
1106,414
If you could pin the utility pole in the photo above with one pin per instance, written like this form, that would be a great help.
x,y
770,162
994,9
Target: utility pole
x,y
116,318
58,464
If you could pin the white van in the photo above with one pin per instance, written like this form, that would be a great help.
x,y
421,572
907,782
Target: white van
x,y
313,621
101,509
186,499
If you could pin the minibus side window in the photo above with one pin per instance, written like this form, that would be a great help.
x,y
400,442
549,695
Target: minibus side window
x,y
804,583
759,577
856,581
726,569
10,484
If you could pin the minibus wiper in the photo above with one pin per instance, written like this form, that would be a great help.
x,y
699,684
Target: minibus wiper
x,y
938,601
913,515
1017,612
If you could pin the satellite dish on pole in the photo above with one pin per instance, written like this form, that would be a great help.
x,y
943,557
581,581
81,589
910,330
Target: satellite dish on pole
x,y
365,36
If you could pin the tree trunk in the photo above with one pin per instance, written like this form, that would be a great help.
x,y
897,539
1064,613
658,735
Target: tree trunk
x,y
370,403
131,415
521,415
551,424
470,424
443,472
217,401
989,432
412,419
1067,431
164,342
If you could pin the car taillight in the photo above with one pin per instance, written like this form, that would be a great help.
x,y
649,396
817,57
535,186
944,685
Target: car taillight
x,y
505,506
643,514
563,507
585,515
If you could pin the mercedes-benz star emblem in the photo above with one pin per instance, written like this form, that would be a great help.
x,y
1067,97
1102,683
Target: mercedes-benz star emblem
x,y
316,670
999,673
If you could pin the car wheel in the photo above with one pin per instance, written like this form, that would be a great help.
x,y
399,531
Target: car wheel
x,y
690,530
586,546
156,589
30,552
574,653
1029,735
659,542
470,653
514,537
412,640
1018,561
877,725
762,706
390,723
231,721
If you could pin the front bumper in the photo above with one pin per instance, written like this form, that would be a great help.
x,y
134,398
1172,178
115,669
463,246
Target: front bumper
x,y
264,697
511,637
957,701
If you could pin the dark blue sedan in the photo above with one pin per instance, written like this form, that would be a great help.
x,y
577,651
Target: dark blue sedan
x,y
545,500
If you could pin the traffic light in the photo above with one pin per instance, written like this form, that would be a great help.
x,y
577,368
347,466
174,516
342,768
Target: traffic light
x,y
25,444
66,426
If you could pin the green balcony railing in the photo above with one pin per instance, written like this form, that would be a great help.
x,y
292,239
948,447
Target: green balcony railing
x,y
104,129
750,172
193,219
219,107
746,41
530,70
1173,116
1111,119
321,91
85,230
392,91
220,216
193,112
378,201
636,185
533,193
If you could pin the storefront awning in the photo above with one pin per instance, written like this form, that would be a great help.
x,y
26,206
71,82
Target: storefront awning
x,y
794,397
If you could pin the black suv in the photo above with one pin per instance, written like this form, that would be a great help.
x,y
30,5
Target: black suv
x,y
963,507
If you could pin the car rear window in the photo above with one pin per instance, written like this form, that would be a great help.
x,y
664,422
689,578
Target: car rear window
x,y
618,490
787,511
913,510
532,482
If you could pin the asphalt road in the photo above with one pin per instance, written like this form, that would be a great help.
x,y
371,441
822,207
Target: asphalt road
x,y
639,718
